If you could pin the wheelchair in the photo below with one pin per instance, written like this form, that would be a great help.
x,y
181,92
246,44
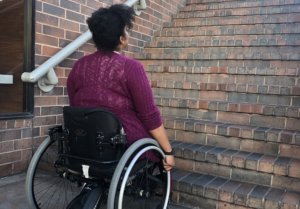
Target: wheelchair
x,y
86,164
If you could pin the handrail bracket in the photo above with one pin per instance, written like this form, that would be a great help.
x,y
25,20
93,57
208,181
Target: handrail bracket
x,y
47,82
141,5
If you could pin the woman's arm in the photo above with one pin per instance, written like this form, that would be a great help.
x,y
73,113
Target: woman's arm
x,y
160,135
146,109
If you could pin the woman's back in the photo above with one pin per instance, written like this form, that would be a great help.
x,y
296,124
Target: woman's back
x,y
117,83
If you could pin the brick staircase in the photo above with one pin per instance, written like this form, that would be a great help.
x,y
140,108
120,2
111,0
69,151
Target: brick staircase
x,y
225,75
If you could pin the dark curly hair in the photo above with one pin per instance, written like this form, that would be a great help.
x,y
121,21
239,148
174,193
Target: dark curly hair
x,y
108,24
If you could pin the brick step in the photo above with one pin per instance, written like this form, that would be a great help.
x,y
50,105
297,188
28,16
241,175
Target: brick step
x,y
213,192
229,96
257,29
232,20
197,104
241,118
223,53
270,141
221,5
190,11
204,1
230,67
226,40
238,165
223,82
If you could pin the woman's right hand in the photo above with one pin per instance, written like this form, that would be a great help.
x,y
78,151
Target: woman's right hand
x,y
169,162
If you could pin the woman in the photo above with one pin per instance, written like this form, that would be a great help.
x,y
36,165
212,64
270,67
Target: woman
x,y
112,81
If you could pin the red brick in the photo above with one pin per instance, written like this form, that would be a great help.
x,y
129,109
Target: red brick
x,y
245,108
239,159
6,146
8,157
290,200
234,118
289,151
211,128
212,169
203,104
19,123
49,51
266,164
225,158
227,191
294,169
5,170
23,144
42,101
246,132
234,131
223,205
293,124
184,164
285,182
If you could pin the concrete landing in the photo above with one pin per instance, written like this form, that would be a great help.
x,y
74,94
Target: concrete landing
x,y
12,193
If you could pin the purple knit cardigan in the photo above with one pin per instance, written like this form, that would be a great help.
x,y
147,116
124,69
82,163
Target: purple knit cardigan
x,y
118,84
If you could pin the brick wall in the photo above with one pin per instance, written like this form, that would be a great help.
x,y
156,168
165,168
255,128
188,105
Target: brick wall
x,y
58,22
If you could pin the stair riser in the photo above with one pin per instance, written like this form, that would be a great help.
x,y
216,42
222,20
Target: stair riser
x,y
188,187
230,201
192,104
242,20
253,161
233,97
194,201
226,86
234,118
267,145
191,12
237,174
216,5
224,53
239,67
228,41
258,29
198,81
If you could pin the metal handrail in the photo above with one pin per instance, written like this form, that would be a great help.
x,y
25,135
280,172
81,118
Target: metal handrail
x,y
45,74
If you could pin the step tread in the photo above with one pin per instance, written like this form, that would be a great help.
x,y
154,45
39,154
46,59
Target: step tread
x,y
263,96
226,67
223,53
256,29
219,5
282,166
250,108
284,87
229,20
225,41
230,191
262,134
192,11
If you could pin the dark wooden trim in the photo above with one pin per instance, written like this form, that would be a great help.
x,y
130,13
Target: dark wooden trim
x,y
29,42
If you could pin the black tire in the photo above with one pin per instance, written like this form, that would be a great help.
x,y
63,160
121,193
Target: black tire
x,y
47,186
131,185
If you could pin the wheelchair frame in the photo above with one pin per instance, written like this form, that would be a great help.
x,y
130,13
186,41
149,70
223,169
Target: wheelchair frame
x,y
118,182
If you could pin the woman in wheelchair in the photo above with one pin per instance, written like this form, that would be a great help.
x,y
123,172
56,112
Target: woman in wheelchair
x,y
94,163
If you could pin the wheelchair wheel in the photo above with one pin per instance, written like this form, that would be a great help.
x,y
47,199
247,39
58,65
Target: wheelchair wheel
x,y
138,182
49,185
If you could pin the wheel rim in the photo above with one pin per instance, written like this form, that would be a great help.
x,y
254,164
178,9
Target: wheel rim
x,y
143,202
50,186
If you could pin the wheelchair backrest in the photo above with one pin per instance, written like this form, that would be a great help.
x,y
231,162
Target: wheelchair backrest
x,y
94,134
